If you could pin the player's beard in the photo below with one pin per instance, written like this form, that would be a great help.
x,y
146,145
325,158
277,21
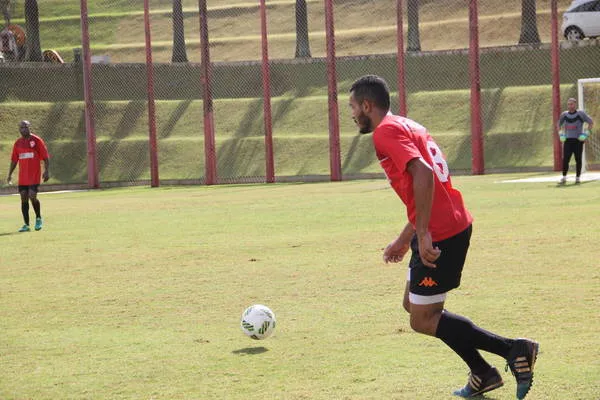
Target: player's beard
x,y
364,124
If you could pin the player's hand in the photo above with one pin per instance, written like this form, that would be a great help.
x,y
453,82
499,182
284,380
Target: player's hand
x,y
9,180
395,251
427,252
46,176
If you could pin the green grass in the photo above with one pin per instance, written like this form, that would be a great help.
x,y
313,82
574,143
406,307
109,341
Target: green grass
x,y
517,134
137,293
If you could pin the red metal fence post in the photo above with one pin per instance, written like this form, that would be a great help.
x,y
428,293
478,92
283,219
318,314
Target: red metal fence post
x,y
210,157
154,182
477,163
266,79
89,113
400,60
555,86
335,164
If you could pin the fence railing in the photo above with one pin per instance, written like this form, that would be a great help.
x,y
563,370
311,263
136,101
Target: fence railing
x,y
236,91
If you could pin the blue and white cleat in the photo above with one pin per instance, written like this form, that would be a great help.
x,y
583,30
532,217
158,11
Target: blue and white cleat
x,y
478,385
24,228
521,359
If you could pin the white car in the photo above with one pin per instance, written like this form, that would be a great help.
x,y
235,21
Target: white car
x,y
582,19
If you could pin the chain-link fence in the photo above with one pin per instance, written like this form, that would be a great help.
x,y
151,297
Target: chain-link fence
x,y
588,96
515,72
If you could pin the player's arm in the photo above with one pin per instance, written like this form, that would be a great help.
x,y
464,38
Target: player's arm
x,y
590,122
422,175
43,152
12,167
560,122
585,133
14,158
395,251
561,134
46,174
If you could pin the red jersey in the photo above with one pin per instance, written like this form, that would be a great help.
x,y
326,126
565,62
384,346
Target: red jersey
x,y
398,140
28,153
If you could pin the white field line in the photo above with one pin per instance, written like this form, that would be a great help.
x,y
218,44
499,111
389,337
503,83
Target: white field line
x,y
586,177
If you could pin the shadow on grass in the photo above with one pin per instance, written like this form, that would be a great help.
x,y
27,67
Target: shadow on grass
x,y
167,128
8,233
571,185
251,350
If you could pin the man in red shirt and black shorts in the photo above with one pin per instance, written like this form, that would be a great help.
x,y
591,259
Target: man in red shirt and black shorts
x,y
28,151
438,233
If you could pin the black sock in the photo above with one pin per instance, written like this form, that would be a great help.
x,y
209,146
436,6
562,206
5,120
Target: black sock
x,y
25,212
36,208
481,339
450,332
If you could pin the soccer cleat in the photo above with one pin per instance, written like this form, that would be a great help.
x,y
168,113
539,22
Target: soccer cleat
x,y
521,360
480,384
24,228
563,180
577,181
38,224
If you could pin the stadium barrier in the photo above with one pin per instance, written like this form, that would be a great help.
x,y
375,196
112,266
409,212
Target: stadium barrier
x,y
273,112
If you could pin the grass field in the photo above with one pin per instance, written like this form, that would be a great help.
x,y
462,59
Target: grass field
x,y
137,293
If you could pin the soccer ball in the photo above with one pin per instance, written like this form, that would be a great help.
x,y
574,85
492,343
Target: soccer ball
x,y
258,322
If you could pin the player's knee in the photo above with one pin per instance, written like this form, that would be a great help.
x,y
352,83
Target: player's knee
x,y
406,305
418,323
425,323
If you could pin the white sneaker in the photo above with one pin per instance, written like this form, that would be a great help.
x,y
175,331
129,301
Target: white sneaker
x,y
577,181
563,180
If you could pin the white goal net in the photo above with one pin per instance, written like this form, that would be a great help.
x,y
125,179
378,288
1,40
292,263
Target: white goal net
x,y
588,91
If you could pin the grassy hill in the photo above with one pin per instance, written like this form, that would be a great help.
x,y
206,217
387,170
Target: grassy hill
x,y
515,136
516,97
362,27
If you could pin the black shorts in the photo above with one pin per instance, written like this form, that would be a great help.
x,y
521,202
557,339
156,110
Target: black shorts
x,y
425,281
29,188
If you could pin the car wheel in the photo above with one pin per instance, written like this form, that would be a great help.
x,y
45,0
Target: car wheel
x,y
573,33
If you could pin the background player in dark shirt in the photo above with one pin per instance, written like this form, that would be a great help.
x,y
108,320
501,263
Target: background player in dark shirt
x,y
572,134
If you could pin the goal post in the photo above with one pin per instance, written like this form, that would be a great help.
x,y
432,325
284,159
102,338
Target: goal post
x,y
588,99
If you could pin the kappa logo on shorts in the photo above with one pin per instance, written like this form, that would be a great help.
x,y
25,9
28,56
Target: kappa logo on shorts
x,y
428,282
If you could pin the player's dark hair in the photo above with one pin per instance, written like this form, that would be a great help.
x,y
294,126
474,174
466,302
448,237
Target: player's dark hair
x,y
373,88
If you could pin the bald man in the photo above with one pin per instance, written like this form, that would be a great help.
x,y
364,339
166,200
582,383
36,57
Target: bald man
x,y
28,151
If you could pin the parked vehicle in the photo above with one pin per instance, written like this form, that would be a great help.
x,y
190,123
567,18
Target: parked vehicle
x,y
581,20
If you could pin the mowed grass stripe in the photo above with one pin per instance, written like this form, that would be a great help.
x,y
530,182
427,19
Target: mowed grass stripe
x,y
138,293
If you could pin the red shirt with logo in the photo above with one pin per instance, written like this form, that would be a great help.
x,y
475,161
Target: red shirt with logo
x,y
398,140
28,152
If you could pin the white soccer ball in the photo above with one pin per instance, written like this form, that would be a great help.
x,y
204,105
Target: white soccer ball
x,y
258,321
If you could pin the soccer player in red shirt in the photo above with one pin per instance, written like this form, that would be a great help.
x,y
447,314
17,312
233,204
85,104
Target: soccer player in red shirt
x,y
28,151
438,234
